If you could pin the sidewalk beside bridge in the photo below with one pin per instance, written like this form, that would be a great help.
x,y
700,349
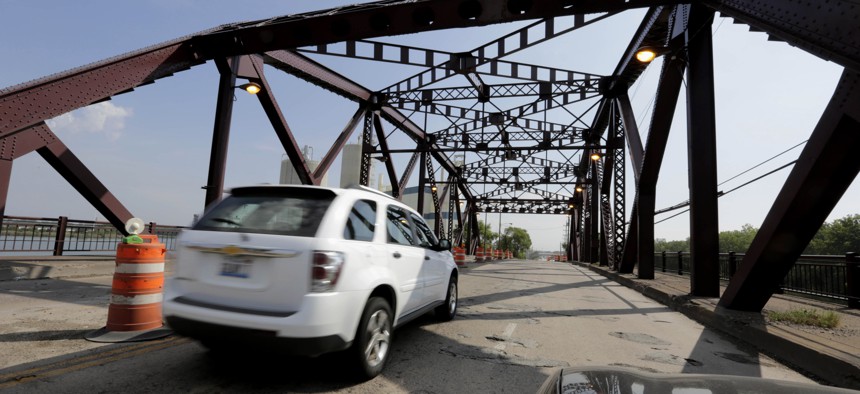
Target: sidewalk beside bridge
x,y
831,355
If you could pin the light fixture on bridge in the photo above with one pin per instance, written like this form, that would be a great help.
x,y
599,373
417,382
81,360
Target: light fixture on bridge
x,y
251,87
647,54
579,189
595,156
433,188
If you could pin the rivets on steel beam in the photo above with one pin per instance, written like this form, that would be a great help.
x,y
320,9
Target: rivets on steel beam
x,y
380,22
519,7
423,16
470,9
341,27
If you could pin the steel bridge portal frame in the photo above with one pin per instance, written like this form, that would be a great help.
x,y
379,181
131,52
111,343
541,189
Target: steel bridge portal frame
x,y
827,164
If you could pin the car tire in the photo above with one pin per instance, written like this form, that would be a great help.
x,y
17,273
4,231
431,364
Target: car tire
x,y
446,311
373,339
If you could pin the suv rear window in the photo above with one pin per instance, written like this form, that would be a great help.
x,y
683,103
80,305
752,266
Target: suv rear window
x,y
283,211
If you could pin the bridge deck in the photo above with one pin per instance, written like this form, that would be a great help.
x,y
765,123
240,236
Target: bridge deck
x,y
525,313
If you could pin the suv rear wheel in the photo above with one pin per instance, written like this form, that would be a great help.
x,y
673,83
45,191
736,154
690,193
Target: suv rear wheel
x,y
373,339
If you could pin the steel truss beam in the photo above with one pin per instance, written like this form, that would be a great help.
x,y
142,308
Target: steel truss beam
x,y
541,89
818,28
453,63
476,58
41,139
322,76
825,169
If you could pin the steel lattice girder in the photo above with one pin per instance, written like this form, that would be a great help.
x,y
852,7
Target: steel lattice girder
x,y
453,64
619,201
546,89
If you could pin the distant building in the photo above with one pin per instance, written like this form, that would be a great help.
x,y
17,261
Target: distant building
x,y
289,176
350,165
410,198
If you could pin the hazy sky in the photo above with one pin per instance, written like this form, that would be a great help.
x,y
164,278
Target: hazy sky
x,y
151,147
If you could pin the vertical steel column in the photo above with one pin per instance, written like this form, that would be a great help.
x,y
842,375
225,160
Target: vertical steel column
x,y
585,247
366,148
594,210
702,155
631,135
5,178
572,236
422,179
605,230
618,209
221,131
452,208
475,233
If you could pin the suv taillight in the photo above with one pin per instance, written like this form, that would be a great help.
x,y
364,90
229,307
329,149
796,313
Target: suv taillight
x,y
326,270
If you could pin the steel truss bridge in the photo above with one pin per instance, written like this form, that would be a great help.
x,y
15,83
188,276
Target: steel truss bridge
x,y
478,126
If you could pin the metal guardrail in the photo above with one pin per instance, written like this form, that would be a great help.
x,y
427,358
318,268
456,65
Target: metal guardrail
x,y
58,236
829,278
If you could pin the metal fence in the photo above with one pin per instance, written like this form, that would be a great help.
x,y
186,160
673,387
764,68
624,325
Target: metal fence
x,y
63,236
828,278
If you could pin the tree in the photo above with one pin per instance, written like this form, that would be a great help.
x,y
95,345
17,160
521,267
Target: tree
x,y
661,244
487,234
737,240
516,240
836,238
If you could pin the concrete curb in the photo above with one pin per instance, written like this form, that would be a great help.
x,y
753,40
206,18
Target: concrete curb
x,y
773,341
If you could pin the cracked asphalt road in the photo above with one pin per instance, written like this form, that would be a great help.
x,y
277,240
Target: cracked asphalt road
x,y
518,321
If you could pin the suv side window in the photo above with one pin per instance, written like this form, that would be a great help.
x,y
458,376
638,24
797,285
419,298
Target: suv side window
x,y
426,238
397,224
361,222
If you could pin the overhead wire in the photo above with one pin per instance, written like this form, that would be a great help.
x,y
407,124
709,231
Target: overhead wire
x,y
720,194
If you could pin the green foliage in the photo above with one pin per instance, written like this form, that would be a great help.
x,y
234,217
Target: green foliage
x,y
661,244
809,317
836,238
737,240
488,237
516,240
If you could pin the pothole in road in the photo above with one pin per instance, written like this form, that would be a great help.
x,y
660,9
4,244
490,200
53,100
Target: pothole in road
x,y
526,343
640,338
671,359
499,357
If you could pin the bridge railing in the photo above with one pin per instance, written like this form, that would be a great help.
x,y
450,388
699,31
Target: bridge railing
x,y
59,236
829,278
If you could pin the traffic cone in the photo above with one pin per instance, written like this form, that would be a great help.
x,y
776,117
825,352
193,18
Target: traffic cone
x,y
134,313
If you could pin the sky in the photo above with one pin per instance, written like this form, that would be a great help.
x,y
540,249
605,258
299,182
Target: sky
x,y
151,147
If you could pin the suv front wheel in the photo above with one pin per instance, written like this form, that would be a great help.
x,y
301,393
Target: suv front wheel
x,y
373,339
446,311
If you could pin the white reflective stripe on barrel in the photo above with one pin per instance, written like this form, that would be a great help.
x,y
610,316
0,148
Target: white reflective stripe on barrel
x,y
140,299
140,268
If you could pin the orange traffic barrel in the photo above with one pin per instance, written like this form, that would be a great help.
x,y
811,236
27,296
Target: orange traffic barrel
x,y
479,254
460,256
134,313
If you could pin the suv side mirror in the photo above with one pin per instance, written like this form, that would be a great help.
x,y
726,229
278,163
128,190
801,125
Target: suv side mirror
x,y
444,244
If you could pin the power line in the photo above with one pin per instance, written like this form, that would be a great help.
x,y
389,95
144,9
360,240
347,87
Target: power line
x,y
760,164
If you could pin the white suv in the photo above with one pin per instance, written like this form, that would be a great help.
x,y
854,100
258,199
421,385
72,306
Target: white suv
x,y
311,269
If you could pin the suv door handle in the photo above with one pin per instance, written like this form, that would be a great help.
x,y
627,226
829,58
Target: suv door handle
x,y
426,257
397,255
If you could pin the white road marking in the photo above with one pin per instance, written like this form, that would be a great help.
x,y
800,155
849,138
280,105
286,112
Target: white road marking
x,y
509,331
